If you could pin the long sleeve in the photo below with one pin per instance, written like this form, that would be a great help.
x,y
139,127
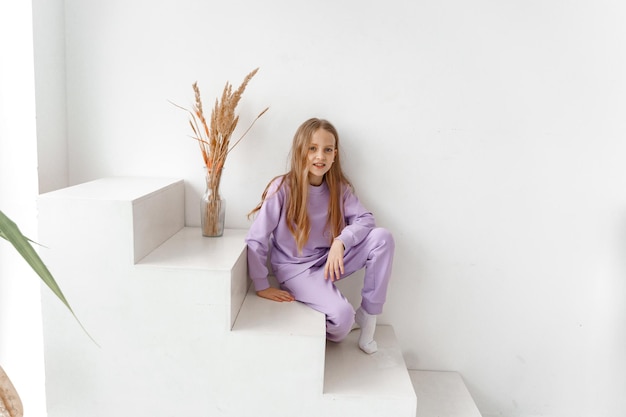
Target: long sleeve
x,y
258,238
359,221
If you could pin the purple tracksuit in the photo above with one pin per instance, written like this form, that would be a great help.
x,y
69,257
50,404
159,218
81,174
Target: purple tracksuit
x,y
302,274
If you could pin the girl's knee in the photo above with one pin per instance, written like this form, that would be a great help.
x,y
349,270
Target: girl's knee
x,y
339,322
383,236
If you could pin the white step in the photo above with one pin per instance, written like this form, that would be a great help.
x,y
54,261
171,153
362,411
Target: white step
x,y
144,212
219,264
275,360
261,316
358,384
442,394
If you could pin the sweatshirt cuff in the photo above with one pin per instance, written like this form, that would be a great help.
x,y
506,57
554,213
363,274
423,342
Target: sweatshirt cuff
x,y
347,238
261,284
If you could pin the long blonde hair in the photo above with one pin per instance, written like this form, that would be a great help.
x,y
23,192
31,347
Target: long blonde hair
x,y
298,184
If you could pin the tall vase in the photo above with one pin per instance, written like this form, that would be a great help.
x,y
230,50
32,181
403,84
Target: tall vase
x,y
212,209
10,404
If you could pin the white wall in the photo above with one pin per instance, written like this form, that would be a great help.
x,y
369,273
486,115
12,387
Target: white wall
x,y
487,135
21,352
49,52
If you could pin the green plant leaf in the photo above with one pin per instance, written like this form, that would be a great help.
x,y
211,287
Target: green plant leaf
x,y
11,232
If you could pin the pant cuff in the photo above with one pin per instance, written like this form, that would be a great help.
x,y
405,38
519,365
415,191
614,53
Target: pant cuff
x,y
372,308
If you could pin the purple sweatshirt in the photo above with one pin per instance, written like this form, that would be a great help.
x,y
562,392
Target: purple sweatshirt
x,y
269,234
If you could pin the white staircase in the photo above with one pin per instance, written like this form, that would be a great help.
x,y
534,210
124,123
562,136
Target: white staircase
x,y
180,332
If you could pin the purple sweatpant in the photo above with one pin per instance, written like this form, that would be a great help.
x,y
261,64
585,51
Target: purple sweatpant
x,y
375,253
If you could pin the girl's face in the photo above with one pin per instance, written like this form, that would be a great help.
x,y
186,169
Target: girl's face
x,y
321,155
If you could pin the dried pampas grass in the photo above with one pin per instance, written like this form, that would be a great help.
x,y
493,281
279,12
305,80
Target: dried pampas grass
x,y
214,136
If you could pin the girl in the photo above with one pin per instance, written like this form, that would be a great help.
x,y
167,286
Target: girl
x,y
316,232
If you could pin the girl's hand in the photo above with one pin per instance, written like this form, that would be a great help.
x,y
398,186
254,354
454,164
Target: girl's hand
x,y
275,294
334,262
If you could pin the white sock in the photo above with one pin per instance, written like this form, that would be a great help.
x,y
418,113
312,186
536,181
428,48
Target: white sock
x,y
367,322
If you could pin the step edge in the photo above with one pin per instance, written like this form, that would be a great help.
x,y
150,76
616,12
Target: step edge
x,y
147,263
405,392
313,318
